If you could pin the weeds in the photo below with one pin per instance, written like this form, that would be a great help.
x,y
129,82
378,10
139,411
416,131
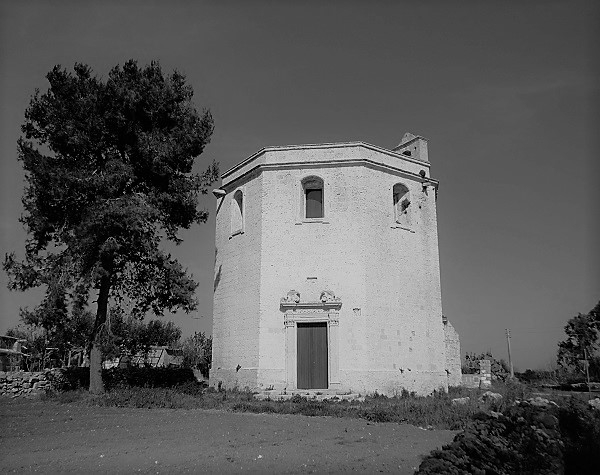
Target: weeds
x,y
431,411
435,411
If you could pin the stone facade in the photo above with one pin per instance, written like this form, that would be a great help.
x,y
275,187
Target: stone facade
x,y
366,269
453,363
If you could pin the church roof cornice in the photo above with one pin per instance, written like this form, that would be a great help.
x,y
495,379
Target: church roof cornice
x,y
279,148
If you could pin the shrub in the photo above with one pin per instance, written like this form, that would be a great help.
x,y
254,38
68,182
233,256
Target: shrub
x,y
146,377
580,427
69,379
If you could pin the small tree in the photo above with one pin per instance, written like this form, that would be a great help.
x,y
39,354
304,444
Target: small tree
x,y
61,319
582,343
129,334
108,169
197,352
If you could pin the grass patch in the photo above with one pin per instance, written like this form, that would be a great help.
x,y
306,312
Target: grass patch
x,y
435,411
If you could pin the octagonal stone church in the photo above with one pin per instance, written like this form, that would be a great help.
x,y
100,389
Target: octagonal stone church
x,y
327,272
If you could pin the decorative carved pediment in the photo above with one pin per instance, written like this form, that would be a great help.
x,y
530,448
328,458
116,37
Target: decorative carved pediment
x,y
327,301
328,296
291,297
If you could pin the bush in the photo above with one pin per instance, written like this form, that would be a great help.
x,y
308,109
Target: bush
x,y
70,379
146,377
580,427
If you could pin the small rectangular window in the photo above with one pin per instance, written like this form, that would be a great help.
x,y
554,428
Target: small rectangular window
x,y
314,203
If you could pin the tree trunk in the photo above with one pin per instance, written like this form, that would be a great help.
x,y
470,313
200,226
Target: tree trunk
x,y
96,383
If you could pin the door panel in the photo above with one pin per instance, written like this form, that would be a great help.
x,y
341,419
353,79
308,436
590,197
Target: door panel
x,y
312,356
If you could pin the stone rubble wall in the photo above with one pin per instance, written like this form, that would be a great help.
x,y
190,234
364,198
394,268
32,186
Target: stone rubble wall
x,y
453,365
481,380
23,383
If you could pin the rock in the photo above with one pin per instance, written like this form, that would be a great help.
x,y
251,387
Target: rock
x,y
595,403
490,396
460,401
541,402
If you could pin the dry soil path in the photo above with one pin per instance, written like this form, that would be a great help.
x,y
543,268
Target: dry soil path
x,y
51,438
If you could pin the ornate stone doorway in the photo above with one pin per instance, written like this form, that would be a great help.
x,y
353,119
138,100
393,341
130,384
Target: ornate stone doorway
x,y
311,341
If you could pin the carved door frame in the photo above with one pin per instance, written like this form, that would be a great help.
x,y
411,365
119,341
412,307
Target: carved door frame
x,y
326,310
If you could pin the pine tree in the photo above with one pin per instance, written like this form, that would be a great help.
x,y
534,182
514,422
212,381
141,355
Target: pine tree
x,y
108,166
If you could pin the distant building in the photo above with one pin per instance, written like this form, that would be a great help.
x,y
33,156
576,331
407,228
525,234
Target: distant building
x,y
327,272
156,357
11,356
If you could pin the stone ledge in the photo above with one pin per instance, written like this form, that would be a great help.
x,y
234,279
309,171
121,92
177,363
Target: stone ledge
x,y
324,395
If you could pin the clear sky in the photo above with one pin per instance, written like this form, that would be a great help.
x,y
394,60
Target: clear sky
x,y
506,92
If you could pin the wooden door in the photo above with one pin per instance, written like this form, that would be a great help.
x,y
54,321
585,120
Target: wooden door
x,y
312,356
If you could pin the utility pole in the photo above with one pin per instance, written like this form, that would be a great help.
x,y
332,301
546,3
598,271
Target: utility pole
x,y
512,373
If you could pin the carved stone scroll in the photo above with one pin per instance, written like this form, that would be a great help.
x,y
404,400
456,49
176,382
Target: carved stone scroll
x,y
291,297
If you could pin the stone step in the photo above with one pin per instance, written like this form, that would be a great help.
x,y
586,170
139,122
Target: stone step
x,y
310,395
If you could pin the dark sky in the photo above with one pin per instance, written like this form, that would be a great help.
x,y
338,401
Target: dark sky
x,y
506,92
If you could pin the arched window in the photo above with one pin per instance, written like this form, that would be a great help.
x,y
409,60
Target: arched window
x,y
401,197
237,213
313,197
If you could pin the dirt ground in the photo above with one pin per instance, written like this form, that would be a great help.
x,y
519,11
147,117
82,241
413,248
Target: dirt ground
x,y
45,437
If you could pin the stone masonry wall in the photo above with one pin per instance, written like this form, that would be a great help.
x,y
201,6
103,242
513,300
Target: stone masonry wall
x,y
390,323
22,383
403,312
453,363
236,290
391,334
481,380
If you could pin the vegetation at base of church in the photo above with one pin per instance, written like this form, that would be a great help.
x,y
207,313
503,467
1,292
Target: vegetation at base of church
x,y
528,437
435,411
109,179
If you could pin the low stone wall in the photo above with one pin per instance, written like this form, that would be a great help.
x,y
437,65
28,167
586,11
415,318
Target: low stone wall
x,y
481,380
22,383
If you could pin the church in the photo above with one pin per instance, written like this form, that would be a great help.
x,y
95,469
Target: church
x,y
327,273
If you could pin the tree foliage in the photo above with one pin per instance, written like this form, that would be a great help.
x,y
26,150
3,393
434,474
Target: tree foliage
x,y
583,341
121,335
109,177
126,334
197,352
